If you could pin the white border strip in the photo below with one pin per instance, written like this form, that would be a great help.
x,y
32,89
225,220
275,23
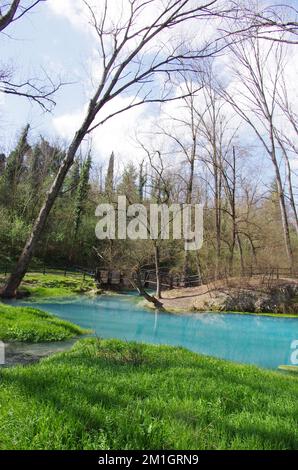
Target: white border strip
x,y
2,353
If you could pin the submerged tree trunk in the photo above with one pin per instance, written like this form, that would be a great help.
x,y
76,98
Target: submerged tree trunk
x,y
137,283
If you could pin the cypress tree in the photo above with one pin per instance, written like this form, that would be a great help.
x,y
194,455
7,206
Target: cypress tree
x,y
109,183
15,169
15,161
81,193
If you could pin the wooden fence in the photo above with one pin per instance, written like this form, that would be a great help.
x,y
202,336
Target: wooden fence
x,y
60,270
117,280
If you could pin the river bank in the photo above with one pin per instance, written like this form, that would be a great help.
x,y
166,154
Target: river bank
x,y
249,295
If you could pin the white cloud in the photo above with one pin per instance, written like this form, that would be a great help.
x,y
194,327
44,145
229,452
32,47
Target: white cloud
x,y
117,134
73,10
192,33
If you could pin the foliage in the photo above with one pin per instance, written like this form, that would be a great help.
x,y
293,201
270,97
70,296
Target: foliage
x,y
53,285
116,395
253,239
82,193
31,325
109,182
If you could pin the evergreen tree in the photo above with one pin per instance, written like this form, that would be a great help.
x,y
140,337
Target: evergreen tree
x,y
35,169
74,178
128,185
2,163
52,157
142,181
15,169
81,194
15,161
109,183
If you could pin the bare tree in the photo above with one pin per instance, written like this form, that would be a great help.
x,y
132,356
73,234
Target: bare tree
x,y
215,143
212,129
159,180
285,138
126,68
199,134
40,91
184,136
276,22
258,70
12,11
190,153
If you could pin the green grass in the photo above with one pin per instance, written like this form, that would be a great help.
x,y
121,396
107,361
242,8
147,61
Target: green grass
x,y
54,285
33,325
38,285
116,395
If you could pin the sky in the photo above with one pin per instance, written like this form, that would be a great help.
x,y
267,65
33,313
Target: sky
x,y
55,37
44,40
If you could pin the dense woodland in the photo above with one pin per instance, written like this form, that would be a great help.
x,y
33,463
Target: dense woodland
x,y
242,219
197,153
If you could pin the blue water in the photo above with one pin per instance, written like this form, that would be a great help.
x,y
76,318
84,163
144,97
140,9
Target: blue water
x,y
251,339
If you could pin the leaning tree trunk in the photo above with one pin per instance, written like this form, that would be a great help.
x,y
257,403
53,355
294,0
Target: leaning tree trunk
x,y
15,279
137,283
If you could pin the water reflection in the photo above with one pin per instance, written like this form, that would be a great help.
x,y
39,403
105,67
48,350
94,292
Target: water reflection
x,y
264,341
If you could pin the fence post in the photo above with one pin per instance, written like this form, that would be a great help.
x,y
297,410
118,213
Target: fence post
x,y
65,269
44,269
5,270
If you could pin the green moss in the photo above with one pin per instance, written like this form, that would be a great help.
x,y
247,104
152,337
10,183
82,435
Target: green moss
x,y
33,325
55,285
117,395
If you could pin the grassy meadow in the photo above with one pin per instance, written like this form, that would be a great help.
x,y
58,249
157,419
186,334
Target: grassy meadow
x,y
117,395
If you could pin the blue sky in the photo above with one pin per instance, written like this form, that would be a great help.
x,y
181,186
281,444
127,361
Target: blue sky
x,y
43,40
54,37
